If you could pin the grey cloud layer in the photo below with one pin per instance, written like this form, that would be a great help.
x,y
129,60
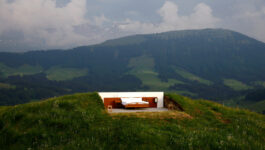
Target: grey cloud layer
x,y
45,24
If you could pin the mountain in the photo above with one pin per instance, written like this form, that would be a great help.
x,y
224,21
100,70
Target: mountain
x,y
80,122
15,45
215,64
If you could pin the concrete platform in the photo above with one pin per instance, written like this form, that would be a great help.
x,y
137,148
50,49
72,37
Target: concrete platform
x,y
122,110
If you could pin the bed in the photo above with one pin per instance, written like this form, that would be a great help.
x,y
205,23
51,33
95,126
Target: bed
x,y
134,102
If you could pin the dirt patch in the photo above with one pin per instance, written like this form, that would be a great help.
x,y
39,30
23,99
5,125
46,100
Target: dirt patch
x,y
226,121
221,119
155,115
198,111
171,104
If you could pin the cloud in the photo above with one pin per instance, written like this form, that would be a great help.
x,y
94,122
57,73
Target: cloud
x,y
171,20
250,22
49,24
41,20
100,20
136,26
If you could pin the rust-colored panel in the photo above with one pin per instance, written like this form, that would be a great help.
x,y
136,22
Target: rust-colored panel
x,y
136,106
151,101
114,102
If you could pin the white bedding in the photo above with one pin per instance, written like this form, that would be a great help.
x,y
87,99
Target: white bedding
x,y
132,100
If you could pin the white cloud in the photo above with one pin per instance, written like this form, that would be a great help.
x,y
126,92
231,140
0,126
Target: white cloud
x,y
42,20
171,20
250,22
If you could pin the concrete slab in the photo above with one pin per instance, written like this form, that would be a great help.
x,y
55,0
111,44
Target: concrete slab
x,y
122,110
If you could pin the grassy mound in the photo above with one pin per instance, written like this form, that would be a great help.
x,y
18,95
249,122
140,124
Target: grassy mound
x,y
80,122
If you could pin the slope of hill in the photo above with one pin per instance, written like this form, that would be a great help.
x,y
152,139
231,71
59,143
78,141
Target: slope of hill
x,y
215,64
80,122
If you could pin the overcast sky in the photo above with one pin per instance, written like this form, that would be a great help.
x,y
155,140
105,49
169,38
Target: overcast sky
x,y
49,24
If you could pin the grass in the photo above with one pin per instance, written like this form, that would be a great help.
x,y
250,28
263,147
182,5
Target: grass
x,y
62,74
192,77
80,122
236,85
22,70
143,68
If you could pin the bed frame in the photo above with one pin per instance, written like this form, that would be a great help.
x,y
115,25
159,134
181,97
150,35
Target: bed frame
x,y
136,105
115,102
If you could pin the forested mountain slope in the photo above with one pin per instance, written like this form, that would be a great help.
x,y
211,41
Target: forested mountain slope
x,y
215,64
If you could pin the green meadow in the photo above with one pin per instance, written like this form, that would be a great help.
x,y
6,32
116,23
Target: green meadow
x,y
6,86
22,70
192,77
54,73
143,68
61,74
236,85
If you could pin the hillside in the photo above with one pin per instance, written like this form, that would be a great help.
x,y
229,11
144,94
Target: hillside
x,y
80,122
214,64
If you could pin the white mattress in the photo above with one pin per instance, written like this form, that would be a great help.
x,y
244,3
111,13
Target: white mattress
x,y
132,100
